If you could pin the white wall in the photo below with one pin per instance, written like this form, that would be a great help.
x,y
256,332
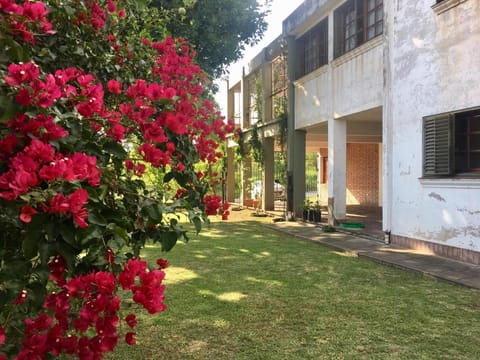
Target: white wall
x,y
435,64
350,84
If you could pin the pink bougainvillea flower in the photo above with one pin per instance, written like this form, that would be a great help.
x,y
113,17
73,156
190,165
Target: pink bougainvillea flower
x,y
105,282
114,86
139,169
162,263
21,73
131,320
2,335
111,6
76,202
109,256
21,298
57,266
26,213
130,339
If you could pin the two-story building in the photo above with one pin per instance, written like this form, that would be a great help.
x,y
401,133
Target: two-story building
x,y
387,93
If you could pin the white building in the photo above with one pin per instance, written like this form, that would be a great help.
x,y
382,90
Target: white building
x,y
432,126
387,93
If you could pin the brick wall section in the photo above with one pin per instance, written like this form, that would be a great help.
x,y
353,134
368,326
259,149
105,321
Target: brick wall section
x,y
362,173
465,255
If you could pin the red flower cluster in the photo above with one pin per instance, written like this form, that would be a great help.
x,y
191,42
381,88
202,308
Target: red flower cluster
x,y
164,118
25,19
95,15
214,206
72,204
149,290
82,318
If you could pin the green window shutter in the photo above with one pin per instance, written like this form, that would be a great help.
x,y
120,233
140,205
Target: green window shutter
x,y
337,33
438,145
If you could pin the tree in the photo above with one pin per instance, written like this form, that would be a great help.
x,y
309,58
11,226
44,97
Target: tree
x,y
89,102
219,30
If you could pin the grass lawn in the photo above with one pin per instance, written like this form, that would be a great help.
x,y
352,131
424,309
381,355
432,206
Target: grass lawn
x,y
242,291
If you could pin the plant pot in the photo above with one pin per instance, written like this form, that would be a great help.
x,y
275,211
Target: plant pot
x,y
310,215
305,215
317,216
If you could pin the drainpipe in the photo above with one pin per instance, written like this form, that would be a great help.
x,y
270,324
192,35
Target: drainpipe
x,y
386,237
387,120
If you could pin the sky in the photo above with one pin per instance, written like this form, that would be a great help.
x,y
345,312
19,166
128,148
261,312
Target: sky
x,y
280,9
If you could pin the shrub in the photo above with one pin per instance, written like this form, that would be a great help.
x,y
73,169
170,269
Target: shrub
x,y
93,96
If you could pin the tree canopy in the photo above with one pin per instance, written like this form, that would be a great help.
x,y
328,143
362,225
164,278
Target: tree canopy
x,y
219,30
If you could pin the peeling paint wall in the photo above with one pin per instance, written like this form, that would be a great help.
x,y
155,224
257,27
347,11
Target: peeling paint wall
x,y
350,84
435,64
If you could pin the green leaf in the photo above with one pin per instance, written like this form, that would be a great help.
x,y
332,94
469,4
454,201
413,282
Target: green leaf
x,y
198,224
121,235
169,176
67,231
69,10
79,51
116,149
95,217
30,244
168,240
85,235
8,108
154,212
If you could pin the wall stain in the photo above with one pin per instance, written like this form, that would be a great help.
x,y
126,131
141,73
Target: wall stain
x,y
469,212
403,173
445,234
436,196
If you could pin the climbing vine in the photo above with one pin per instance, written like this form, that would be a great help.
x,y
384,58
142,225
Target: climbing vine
x,y
256,146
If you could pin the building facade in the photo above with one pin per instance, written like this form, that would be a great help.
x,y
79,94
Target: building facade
x,y
387,93
432,126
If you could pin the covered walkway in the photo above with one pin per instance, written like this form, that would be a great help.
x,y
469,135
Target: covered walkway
x,y
429,264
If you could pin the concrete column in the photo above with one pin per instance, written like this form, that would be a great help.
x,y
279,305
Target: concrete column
x,y
246,177
230,174
298,171
245,102
268,198
337,172
230,102
331,40
387,125
319,175
380,174
295,142
267,91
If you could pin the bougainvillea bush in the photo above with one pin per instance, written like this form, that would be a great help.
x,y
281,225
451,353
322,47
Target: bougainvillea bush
x,y
93,96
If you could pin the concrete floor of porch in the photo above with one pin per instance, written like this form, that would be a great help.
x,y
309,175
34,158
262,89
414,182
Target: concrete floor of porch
x,y
369,216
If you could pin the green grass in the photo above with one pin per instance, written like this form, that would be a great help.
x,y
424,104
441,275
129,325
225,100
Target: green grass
x,y
242,291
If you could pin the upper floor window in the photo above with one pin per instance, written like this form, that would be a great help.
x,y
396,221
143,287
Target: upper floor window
x,y
279,86
451,144
255,92
314,48
356,22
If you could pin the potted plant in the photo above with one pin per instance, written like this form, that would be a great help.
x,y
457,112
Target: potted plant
x,y
316,212
306,207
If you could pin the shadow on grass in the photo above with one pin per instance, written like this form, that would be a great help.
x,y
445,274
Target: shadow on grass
x,y
243,291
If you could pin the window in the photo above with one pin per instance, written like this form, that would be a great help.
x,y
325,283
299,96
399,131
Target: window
x,y
255,91
237,112
452,144
279,86
374,18
356,22
314,47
